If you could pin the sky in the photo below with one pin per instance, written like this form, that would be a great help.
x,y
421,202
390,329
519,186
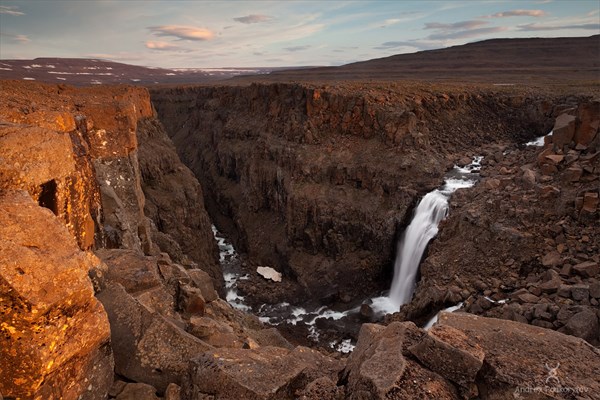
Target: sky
x,y
245,33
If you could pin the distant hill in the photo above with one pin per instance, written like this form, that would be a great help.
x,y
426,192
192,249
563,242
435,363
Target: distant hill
x,y
81,71
501,61
495,60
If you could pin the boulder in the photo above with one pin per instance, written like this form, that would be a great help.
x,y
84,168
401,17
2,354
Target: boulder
x,y
54,335
450,353
173,392
587,129
148,347
190,300
580,292
322,389
378,369
588,269
584,324
131,269
563,131
520,357
137,391
203,281
263,373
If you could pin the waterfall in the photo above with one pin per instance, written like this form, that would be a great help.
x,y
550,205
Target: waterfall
x,y
423,227
432,208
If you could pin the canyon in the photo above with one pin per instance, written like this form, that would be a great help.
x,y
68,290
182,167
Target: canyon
x,y
110,277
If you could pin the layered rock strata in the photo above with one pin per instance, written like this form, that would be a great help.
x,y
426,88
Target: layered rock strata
x,y
316,181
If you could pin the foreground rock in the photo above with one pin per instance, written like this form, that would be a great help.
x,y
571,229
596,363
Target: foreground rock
x,y
466,357
264,373
379,369
54,335
521,359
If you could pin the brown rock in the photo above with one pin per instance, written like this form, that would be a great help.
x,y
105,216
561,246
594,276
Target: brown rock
x,y
588,269
203,327
551,282
519,355
263,373
564,291
377,368
527,298
54,335
137,391
573,173
590,202
529,177
492,183
555,158
584,324
44,163
322,389
450,353
132,270
190,300
203,281
595,290
174,202
580,292
563,131
173,392
148,348
589,117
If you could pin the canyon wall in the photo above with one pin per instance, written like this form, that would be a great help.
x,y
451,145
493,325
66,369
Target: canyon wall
x,y
317,181
87,170
524,244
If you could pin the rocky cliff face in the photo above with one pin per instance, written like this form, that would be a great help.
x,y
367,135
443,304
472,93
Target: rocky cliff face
x,y
95,163
528,233
76,153
317,181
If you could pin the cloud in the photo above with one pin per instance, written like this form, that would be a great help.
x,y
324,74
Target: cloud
x,y
120,56
10,10
297,48
539,27
415,44
457,25
519,13
466,33
391,21
182,32
394,44
16,38
161,45
253,19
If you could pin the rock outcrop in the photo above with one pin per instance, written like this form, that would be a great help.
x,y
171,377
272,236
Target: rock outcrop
x,y
55,336
99,184
466,356
524,244
76,153
320,183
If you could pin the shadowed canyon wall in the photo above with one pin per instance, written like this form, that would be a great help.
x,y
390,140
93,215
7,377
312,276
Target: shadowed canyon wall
x,y
316,181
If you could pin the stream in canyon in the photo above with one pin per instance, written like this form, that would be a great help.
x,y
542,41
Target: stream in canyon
x,y
430,211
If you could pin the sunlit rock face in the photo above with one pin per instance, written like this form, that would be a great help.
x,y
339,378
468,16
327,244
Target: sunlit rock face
x,y
54,334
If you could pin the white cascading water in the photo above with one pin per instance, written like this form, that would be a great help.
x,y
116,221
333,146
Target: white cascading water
x,y
423,227
432,209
